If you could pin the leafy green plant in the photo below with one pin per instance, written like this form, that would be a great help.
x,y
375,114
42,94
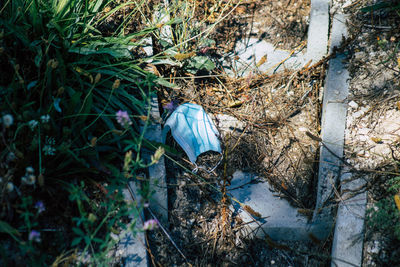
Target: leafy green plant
x,y
74,98
66,70
62,85
392,5
385,216
184,41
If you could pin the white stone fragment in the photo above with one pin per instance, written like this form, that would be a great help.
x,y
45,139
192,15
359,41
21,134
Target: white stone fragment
x,y
358,114
362,138
353,104
227,123
364,131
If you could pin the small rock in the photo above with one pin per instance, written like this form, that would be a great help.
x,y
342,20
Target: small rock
x,y
362,138
381,150
228,123
364,131
358,114
119,252
353,104
375,248
182,184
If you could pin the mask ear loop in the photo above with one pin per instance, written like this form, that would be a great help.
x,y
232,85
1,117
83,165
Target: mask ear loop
x,y
196,169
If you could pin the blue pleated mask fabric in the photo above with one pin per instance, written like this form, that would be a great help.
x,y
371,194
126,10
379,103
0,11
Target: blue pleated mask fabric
x,y
193,130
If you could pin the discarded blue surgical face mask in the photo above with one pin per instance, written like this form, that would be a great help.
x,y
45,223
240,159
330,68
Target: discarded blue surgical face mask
x,y
193,129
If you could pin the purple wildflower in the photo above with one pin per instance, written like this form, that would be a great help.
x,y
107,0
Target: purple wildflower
x,y
34,236
40,206
123,118
150,224
171,106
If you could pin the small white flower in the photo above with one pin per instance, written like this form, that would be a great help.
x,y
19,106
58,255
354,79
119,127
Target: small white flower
x,y
28,180
45,118
32,124
48,150
8,120
50,140
30,170
10,187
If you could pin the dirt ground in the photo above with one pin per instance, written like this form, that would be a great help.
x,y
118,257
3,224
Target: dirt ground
x,y
273,114
276,110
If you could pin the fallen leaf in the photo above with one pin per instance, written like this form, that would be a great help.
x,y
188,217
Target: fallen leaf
x,y
240,10
143,118
262,61
397,201
183,56
93,142
377,140
284,186
209,92
251,211
234,104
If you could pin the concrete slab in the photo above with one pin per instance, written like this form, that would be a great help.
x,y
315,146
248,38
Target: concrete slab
x,y
280,220
317,42
347,244
250,53
156,172
333,124
348,239
132,249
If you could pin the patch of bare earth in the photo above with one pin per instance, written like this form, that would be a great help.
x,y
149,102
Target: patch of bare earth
x,y
282,23
272,116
